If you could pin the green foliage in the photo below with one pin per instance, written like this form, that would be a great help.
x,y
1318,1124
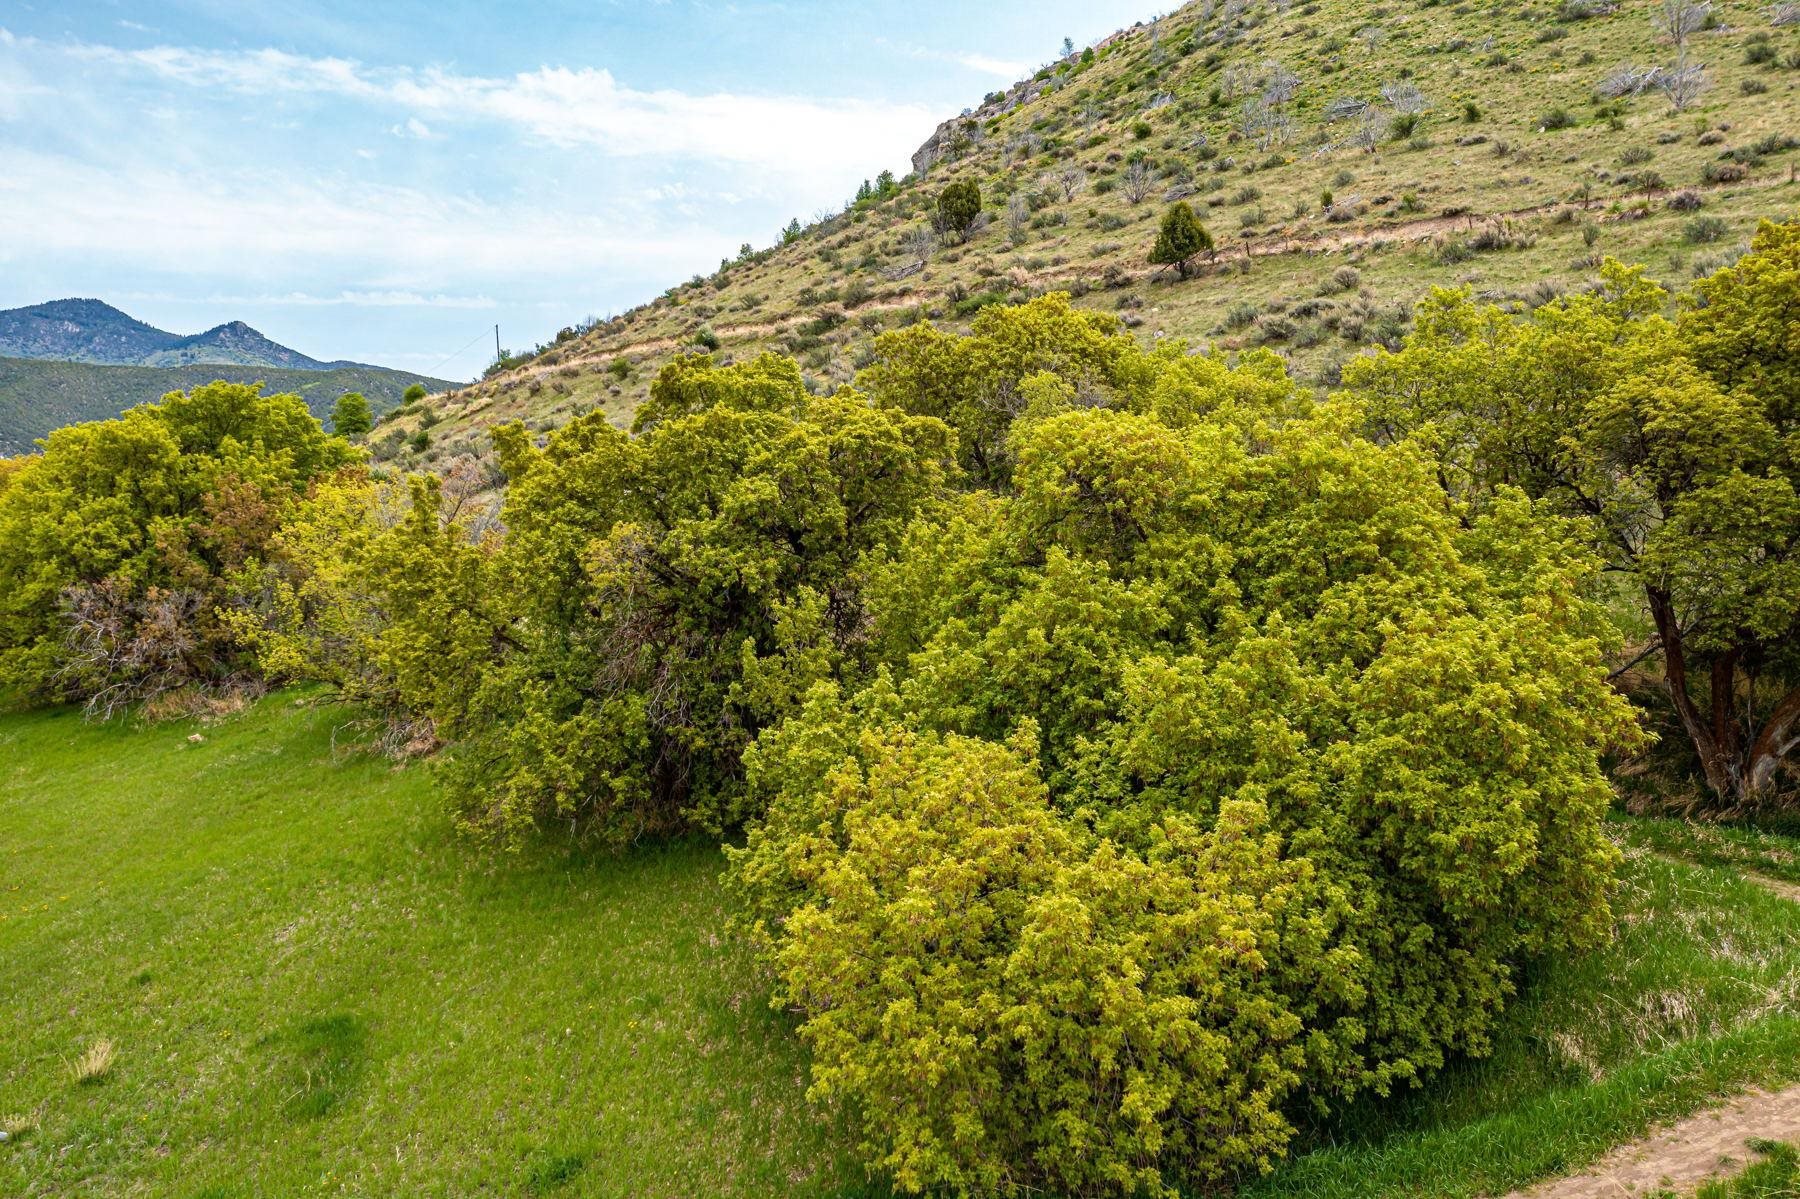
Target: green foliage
x,y
119,542
350,416
1678,442
657,600
1211,762
414,394
379,589
958,206
1035,358
1180,238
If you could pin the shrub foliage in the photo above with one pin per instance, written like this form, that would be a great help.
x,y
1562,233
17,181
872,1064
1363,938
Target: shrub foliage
x,y
1128,748
119,543
1676,441
1215,759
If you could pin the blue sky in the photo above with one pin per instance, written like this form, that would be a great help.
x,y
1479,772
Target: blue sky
x,y
386,181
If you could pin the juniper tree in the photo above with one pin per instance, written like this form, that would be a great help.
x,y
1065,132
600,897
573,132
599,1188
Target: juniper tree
x,y
1180,239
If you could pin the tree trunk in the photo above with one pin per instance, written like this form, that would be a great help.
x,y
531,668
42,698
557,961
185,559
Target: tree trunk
x,y
1780,736
1699,731
1733,772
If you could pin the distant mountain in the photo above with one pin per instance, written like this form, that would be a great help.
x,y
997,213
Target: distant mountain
x,y
76,360
93,331
80,331
235,344
37,395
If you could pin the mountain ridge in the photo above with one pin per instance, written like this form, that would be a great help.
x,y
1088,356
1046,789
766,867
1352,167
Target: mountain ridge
x,y
92,331
39,395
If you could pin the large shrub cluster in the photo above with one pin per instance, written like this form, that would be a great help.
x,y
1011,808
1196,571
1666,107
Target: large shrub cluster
x,y
1215,760
1123,748
657,599
121,541
1128,750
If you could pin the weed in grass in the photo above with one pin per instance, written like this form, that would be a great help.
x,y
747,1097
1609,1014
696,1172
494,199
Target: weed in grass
x,y
94,1064
552,1170
322,1058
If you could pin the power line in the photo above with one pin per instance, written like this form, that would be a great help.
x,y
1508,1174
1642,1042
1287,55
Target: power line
x,y
454,353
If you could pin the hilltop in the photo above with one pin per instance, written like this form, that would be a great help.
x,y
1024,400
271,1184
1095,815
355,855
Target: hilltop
x,y
93,331
1345,156
82,359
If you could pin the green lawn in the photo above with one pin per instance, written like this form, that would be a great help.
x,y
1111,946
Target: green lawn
x,y
1698,995
315,987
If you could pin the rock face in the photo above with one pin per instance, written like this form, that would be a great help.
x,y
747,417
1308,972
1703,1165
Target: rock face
x,y
955,137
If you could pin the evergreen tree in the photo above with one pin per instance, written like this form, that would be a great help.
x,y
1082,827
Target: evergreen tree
x,y
1181,237
958,208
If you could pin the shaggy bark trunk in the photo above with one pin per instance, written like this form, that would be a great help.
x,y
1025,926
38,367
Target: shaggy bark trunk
x,y
1733,772
1779,738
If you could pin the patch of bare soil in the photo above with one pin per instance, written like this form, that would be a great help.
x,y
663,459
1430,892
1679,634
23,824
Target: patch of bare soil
x,y
1684,1155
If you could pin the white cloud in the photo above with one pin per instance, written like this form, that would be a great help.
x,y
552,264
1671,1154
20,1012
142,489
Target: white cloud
x,y
561,106
413,127
1002,67
238,225
301,299
1008,69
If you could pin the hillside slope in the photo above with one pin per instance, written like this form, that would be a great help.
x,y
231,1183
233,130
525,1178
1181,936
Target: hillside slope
x,y
37,396
1345,155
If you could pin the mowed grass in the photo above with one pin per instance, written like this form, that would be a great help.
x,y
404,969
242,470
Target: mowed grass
x,y
313,986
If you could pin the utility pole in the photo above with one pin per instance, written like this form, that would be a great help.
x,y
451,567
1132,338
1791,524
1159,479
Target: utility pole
x,y
496,343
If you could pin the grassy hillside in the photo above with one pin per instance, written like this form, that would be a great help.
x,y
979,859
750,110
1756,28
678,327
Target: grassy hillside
x,y
312,986
37,396
1516,176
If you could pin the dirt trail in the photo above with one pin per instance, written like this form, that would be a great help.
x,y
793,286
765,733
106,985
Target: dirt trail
x,y
1684,1155
1328,241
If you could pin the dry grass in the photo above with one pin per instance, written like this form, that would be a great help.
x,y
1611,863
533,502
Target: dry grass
x,y
95,1064
1532,209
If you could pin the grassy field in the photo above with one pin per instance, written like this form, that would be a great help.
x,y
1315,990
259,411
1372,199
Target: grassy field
x,y
312,986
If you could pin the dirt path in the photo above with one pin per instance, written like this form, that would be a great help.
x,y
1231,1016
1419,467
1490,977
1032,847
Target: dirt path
x,y
1283,242
1788,891
1684,1155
